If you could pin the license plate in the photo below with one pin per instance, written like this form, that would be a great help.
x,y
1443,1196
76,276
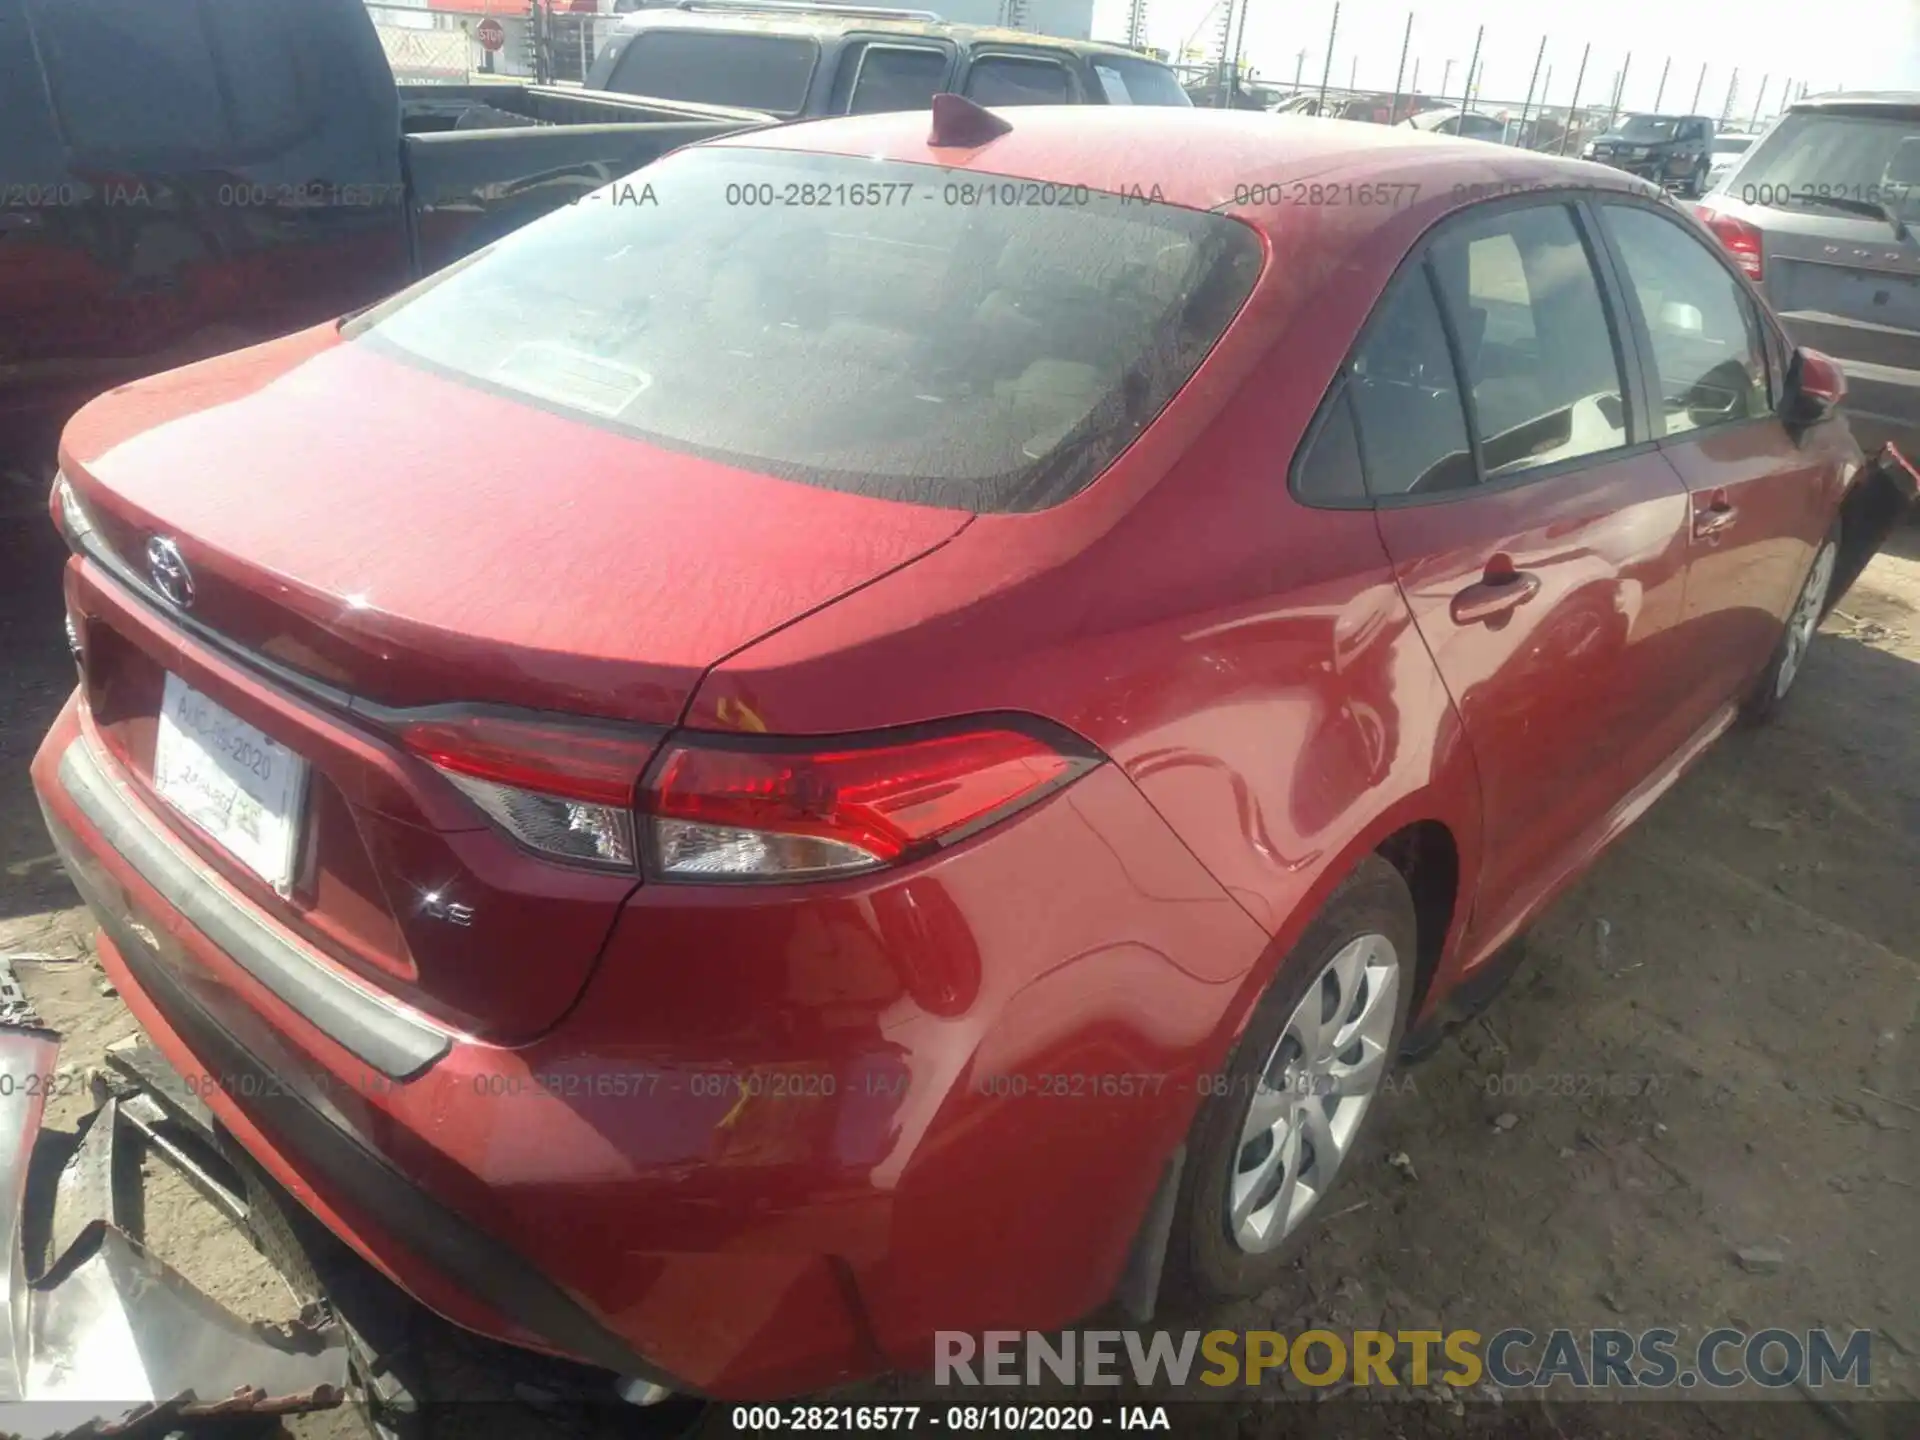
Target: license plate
x,y
241,787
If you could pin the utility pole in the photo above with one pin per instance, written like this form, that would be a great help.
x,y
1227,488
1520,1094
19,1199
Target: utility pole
x,y
1326,69
1353,74
1759,100
1239,45
1466,99
1299,64
1733,89
1445,75
1406,39
1532,81
1661,93
1699,85
1619,89
1573,105
1137,25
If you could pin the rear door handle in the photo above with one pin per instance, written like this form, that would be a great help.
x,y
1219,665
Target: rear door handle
x,y
1717,516
1499,594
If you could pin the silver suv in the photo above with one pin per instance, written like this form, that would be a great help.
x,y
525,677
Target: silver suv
x,y
1821,212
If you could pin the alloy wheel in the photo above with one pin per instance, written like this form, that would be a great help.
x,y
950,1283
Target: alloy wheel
x,y
1316,1086
1805,619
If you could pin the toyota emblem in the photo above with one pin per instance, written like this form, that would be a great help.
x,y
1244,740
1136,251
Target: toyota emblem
x,y
169,572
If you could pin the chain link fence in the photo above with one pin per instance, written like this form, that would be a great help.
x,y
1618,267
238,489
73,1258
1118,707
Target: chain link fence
x,y
1559,118
448,42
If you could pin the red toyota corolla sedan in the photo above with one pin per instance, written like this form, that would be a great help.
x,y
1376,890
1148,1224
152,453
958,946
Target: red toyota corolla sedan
x,y
878,731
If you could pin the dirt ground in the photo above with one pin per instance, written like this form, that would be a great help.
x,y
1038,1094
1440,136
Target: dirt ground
x,y
1747,960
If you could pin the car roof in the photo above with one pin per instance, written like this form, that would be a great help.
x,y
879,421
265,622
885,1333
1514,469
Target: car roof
x,y
1218,160
1890,100
832,24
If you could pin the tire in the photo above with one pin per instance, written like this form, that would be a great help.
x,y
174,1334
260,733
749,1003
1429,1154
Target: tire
x,y
1796,636
1369,923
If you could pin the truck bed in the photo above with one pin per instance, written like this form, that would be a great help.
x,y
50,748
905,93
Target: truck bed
x,y
432,109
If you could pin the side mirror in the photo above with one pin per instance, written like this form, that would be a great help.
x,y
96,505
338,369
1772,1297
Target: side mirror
x,y
1815,387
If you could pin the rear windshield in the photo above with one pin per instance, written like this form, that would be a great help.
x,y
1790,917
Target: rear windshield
x,y
716,67
1648,127
903,331
1813,155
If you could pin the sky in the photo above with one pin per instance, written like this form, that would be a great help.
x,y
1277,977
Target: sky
x,y
1833,44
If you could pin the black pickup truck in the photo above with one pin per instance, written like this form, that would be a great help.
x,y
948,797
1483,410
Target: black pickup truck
x,y
179,177
805,61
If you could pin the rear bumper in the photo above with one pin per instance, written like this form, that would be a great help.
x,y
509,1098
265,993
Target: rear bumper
x,y
200,1024
616,1193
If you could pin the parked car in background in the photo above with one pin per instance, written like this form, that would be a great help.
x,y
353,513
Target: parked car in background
x,y
179,177
799,62
1821,216
1675,151
1728,147
1210,94
746,744
1468,124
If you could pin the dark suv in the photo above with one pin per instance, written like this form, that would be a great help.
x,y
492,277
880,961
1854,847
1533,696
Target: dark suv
x,y
1820,212
1671,150
805,61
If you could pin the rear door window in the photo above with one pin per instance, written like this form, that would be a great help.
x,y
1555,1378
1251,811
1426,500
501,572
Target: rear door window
x,y
1534,339
897,77
903,342
718,67
1704,332
1018,80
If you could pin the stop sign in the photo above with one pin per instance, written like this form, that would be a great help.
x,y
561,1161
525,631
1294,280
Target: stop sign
x,y
492,33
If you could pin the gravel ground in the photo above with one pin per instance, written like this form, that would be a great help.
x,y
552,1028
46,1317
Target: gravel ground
x,y
1752,949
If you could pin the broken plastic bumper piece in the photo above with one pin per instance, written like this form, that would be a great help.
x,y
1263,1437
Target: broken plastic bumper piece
x,y
108,1336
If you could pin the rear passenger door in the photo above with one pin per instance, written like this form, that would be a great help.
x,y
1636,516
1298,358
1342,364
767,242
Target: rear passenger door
x,y
1759,505
1538,536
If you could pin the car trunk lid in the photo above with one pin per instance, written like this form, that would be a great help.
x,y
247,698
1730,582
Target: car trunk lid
x,y
447,548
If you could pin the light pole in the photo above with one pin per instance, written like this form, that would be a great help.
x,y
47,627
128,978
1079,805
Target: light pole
x,y
1573,105
1327,68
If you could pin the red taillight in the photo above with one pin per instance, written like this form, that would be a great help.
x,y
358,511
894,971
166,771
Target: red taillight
x,y
562,787
1742,241
721,809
